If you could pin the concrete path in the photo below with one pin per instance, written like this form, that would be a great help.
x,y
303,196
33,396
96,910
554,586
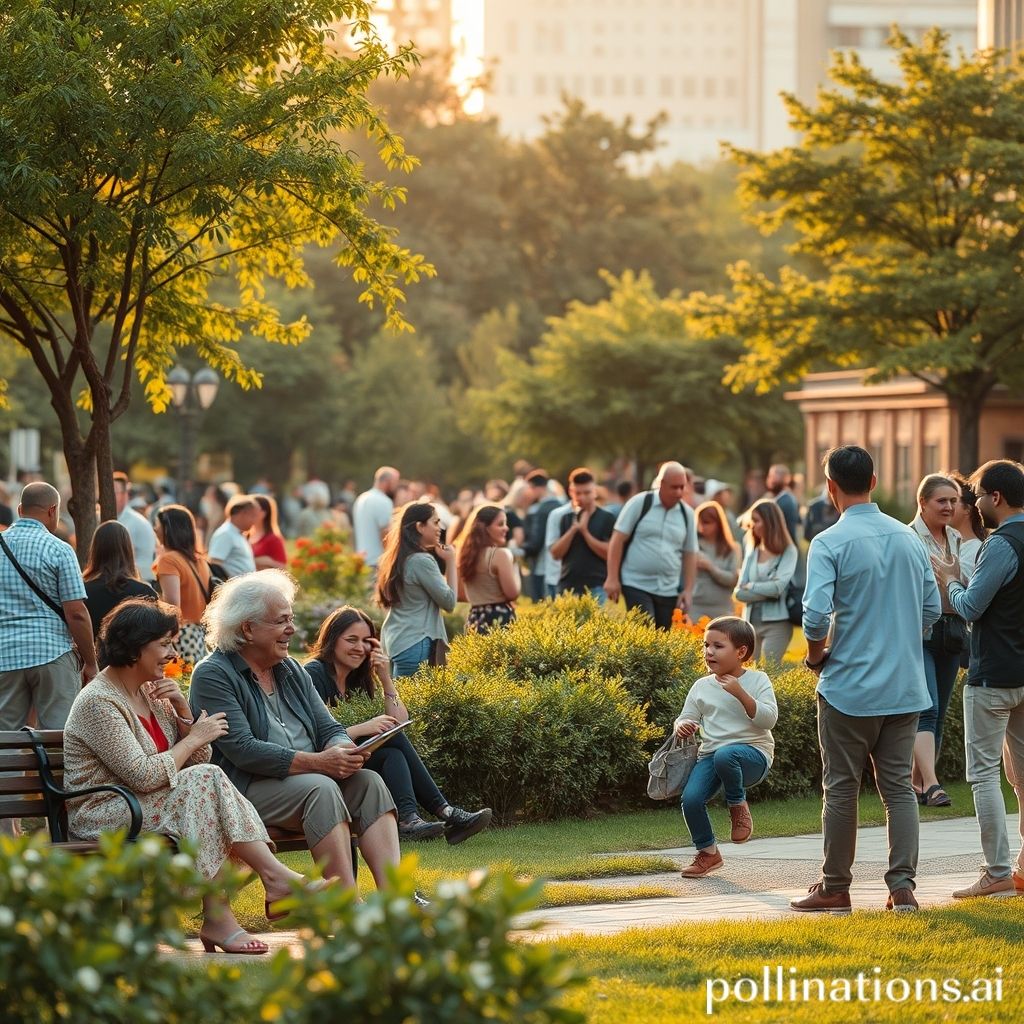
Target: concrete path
x,y
758,880
760,877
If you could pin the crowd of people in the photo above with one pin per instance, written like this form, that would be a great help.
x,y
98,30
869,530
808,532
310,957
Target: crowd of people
x,y
890,613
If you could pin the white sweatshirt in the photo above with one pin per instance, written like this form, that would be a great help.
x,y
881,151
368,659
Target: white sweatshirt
x,y
722,718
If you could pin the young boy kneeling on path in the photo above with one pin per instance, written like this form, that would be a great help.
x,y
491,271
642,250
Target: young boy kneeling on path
x,y
735,709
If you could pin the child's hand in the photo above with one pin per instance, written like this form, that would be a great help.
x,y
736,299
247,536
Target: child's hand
x,y
730,684
685,729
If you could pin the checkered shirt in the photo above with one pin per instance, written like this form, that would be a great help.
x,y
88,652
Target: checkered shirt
x,y
31,633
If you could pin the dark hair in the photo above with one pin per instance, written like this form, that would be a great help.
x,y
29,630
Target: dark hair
x,y
331,629
538,477
739,631
775,535
111,557
581,476
724,542
179,531
850,468
1004,476
473,539
624,488
403,540
132,624
970,501
269,507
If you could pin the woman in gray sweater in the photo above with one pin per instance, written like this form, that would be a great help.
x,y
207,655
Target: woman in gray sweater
x,y
416,581
718,564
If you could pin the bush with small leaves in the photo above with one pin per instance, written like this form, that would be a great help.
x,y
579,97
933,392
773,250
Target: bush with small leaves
x,y
390,960
79,937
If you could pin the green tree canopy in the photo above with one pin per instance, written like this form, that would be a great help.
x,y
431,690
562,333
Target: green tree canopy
x,y
624,378
909,196
147,147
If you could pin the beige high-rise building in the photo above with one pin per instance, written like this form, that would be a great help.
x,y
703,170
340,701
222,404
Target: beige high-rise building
x,y
1001,25
715,67
427,23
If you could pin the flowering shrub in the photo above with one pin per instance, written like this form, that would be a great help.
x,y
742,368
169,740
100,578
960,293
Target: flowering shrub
x,y
324,565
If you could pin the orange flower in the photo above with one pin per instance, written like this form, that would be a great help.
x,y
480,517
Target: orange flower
x,y
302,542
174,668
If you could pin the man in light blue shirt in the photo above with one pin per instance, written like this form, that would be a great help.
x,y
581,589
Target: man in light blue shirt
x,y
869,584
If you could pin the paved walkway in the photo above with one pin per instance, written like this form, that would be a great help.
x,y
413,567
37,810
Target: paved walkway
x,y
758,880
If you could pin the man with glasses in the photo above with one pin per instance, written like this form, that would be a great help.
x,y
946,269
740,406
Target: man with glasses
x,y
994,695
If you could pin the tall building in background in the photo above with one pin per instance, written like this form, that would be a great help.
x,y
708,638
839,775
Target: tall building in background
x,y
427,23
1001,25
716,67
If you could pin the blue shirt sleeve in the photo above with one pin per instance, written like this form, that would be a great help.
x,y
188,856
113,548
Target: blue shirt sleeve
x,y
819,592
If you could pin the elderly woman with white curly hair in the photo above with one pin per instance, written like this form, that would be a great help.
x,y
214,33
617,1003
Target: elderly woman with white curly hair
x,y
283,750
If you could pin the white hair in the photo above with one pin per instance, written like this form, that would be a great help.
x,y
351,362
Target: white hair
x,y
245,598
669,467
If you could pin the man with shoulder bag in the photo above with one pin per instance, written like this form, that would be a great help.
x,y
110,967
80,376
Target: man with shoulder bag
x,y
43,617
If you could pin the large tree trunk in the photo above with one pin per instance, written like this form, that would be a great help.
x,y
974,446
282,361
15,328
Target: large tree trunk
x,y
968,401
82,506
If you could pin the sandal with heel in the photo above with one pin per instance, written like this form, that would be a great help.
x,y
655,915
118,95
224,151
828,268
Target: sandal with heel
x,y
210,945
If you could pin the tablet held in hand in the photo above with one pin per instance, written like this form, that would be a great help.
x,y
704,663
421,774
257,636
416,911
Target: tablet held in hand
x,y
370,745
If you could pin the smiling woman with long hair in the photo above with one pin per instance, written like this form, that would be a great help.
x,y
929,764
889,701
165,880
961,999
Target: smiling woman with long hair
x,y
487,570
767,571
346,658
417,579
718,563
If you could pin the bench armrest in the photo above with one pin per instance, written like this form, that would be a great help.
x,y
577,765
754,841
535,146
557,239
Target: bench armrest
x,y
134,807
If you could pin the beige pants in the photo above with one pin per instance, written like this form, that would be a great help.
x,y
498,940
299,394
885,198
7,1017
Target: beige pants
x,y
50,689
315,804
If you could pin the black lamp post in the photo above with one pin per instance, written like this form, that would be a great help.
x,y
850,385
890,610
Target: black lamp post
x,y
191,396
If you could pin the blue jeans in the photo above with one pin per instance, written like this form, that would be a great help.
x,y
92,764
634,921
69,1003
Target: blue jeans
x,y
940,671
406,663
733,767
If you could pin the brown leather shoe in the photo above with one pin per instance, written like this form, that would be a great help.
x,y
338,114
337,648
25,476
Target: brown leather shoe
x,y
742,823
986,885
703,864
1018,881
817,901
902,901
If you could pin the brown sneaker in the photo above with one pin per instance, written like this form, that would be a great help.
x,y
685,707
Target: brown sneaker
x,y
986,885
817,901
742,823
703,864
902,901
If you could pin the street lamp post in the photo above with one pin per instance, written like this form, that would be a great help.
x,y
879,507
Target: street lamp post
x,y
191,396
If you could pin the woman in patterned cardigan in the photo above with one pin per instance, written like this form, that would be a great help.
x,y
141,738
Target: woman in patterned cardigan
x,y
132,727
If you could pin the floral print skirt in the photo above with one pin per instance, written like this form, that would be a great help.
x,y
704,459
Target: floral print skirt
x,y
485,617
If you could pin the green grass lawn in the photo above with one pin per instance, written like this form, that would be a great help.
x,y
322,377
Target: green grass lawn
x,y
573,851
661,976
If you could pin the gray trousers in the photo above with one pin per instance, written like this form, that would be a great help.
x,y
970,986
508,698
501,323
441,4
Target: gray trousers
x,y
50,689
994,725
771,639
315,804
847,744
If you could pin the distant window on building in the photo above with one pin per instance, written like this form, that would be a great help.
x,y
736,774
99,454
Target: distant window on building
x,y
665,86
512,37
618,86
710,88
1013,449
578,85
510,85
930,459
599,51
847,35
904,485
540,85
638,86
689,86
558,38
730,88
597,86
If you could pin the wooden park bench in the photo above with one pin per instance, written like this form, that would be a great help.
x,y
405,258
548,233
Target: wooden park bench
x,y
37,792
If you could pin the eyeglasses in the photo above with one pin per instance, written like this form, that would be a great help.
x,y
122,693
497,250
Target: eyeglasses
x,y
287,620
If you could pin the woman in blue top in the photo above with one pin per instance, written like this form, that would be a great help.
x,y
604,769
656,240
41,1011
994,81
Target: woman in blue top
x,y
416,581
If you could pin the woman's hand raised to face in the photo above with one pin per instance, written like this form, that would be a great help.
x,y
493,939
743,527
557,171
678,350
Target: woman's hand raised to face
x,y
445,551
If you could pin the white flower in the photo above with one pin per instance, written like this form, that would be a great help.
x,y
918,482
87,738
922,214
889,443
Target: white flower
x,y
481,973
89,979
6,917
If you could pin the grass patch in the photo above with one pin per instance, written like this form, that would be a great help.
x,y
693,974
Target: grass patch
x,y
660,976
574,894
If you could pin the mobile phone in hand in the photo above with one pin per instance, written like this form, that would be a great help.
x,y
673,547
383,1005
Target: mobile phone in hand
x,y
442,537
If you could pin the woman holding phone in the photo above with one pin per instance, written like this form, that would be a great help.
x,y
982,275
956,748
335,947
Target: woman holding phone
x,y
416,580
347,658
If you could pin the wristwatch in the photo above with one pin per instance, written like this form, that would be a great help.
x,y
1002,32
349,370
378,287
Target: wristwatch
x,y
825,654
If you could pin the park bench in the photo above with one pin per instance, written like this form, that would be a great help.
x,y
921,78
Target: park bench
x,y
37,792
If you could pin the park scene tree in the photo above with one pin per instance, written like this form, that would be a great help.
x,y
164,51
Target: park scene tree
x,y
149,149
906,201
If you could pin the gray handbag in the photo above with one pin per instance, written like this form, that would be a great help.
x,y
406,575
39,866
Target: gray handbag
x,y
671,766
